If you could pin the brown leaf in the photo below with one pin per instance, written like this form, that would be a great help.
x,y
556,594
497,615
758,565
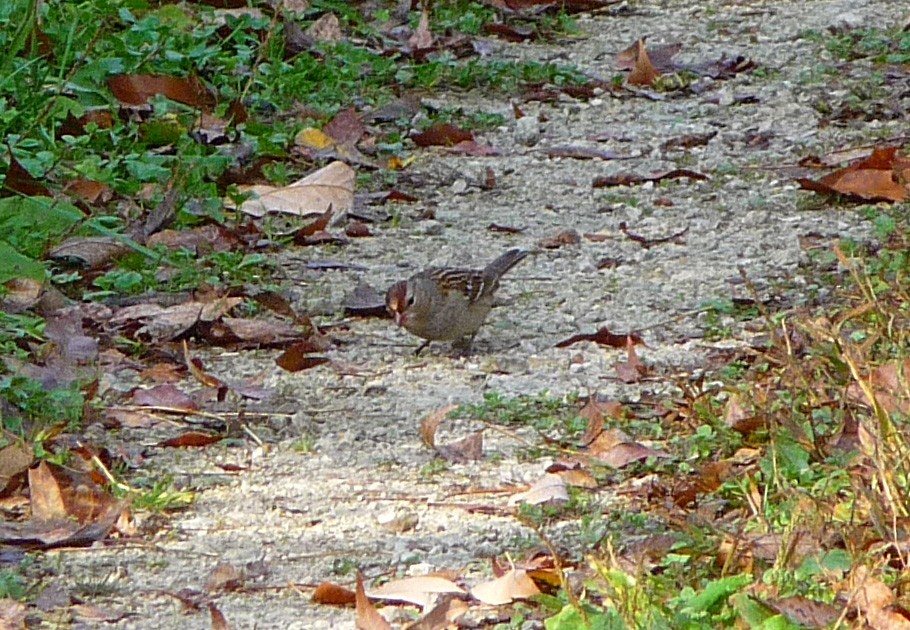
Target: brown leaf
x,y
422,37
505,229
807,613
173,321
137,89
326,29
39,534
91,251
510,32
368,618
603,337
166,395
217,618
880,177
88,191
415,590
224,578
205,239
469,449
298,357
630,179
515,584
632,369
615,448
443,616
473,148
12,614
442,134
345,128
19,181
888,385
548,489
330,187
564,237
593,411
644,72
429,424
15,459
191,438
46,495
874,599
581,153
356,229
708,479
333,595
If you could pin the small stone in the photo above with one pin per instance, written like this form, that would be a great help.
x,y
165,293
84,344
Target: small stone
x,y
527,131
431,228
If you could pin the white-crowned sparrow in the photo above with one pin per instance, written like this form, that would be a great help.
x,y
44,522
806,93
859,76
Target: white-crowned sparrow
x,y
446,304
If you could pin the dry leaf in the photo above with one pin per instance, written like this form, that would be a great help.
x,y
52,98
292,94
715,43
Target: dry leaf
x,y
368,618
415,590
548,489
429,425
615,448
422,37
330,187
515,584
333,595
882,176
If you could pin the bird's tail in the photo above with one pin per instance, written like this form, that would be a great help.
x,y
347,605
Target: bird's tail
x,y
501,265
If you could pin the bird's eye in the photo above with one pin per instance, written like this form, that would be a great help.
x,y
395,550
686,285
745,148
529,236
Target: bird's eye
x,y
411,301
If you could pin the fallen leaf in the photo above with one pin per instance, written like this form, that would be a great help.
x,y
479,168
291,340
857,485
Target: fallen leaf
x,y
615,448
603,337
191,439
888,384
630,179
643,72
137,89
15,459
298,357
564,237
446,613
581,153
422,37
468,449
368,618
166,395
414,590
217,618
430,423
326,29
224,578
333,595
19,181
882,176
515,584
330,187
441,134
632,369
548,489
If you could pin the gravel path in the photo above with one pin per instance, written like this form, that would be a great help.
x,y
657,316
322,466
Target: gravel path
x,y
364,496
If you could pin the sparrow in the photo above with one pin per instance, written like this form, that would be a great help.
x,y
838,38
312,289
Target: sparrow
x,y
448,304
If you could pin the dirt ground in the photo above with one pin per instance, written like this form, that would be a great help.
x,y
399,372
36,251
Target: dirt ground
x,y
363,496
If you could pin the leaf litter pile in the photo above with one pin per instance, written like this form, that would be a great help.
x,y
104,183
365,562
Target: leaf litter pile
x,y
779,499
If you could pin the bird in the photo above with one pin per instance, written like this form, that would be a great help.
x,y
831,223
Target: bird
x,y
448,304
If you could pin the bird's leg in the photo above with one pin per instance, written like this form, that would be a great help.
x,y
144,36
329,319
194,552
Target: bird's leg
x,y
421,347
463,345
